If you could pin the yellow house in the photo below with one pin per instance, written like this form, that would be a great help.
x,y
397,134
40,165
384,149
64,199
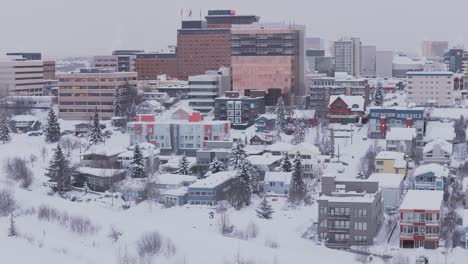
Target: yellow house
x,y
391,162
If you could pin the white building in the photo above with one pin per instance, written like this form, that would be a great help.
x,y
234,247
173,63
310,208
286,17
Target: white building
x,y
369,56
277,182
434,88
401,139
21,77
348,56
402,64
392,188
437,151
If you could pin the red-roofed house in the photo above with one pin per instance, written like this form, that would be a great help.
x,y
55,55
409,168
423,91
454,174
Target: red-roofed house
x,y
346,109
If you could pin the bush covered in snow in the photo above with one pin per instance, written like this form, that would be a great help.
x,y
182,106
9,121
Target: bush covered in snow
x,y
7,202
152,244
250,232
18,170
77,224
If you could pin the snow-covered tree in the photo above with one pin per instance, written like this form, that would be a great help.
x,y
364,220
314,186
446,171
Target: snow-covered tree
x,y
52,132
137,166
240,192
300,131
216,166
265,210
460,129
329,144
238,155
286,165
59,171
96,132
4,126
117,104
12,229
297,190
379,95
249,169
184,166
280,121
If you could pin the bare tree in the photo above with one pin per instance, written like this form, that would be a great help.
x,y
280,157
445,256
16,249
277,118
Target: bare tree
x,y
225,225
367,163
69,145
44,153
7,202
17,170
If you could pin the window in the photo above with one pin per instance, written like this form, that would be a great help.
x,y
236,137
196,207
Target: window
x,y
360,226
379,162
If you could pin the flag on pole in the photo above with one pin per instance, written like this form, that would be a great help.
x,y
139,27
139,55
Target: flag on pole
x,y
190,13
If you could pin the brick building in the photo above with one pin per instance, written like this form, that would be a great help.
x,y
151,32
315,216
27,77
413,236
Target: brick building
x,y
346,109
150,65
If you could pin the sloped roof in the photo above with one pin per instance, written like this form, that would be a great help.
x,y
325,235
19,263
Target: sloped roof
x,y
444,145
438,170
349,100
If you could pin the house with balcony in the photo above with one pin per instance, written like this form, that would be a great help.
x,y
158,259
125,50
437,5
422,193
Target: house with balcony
x,y
420,218
212,189
430,176
350,212
438,151
391,162
346,109
401,139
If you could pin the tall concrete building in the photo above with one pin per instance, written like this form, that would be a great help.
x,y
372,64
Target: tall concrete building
x,y
206,45
106,61
348,56
433,49
81,92
434,88
150,65
126,59
268,56
369,59
383,64
49,70
21,77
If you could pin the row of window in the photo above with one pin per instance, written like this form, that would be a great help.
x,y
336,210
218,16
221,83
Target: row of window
x,y
420,230
201,193
340,211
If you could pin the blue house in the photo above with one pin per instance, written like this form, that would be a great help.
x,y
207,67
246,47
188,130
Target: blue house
x,y
430,176
381,119
277,182
265,123
210,190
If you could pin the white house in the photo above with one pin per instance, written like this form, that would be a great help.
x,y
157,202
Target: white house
x,y
401,139
437,151
392,188
277,182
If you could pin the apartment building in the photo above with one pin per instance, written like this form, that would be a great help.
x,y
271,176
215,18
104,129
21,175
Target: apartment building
x,y
433,49
106,61
321,87
383,119
368,65
150,65
350,212
420,218
203,89
241,111
348,56
434,88
269,55
20,77
49,70
81,92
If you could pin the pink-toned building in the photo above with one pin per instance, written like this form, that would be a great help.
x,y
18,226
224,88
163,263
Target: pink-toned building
x,y
265,56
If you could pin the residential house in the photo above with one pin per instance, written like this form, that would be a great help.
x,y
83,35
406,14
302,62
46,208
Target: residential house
x,y
173,188
309,154
420,218
382,119
133,189
82,129
212,189
430,176
437,151
401,139
265,162
438,130
265,122
350,212
149,154
99,179
277,182
214,149
307,116
392,186
241,111
149,107
391,162
262,139
24,123
346,109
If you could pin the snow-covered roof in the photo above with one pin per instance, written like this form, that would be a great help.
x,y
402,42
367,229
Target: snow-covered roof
x,y
450,113
358,198
401,59
438,170
442,144
153,103
401,133
24,118
214,180
99,172
173,179
387,180
129,154
443,131
132,184
278,176
390,155
422,200
105,150
176,192
354,102
279,146
269,116
304,148
265,159
303,114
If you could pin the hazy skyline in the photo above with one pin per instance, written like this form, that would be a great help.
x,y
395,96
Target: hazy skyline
x,y
60,28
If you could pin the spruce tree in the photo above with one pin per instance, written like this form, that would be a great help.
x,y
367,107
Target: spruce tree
x,y
286,165
265,210
117,104
297,191
96,133
137,166
59,171
240,192
299,132
52,132
238,155
4,126
12,229
379,95
216,166
250,170
184,166
280,122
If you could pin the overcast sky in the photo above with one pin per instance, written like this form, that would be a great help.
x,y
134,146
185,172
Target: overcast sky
x,y
87,27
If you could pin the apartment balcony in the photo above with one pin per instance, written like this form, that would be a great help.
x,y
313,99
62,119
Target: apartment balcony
x,y
337,244
339,216
414,222
338,229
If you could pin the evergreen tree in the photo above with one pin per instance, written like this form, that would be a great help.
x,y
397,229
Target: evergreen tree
x,y
249,169
265,210
286,165
59,171
184,166
329,144
117,104
137,166
460,129
299,132
238,155
280,122
52,132
216,166
12,229
240,191
4,126
379,95
96,133
297,191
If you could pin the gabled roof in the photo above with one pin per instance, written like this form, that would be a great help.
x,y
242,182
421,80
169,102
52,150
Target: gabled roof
x,y
353,102
268,116
444,145
438,170
303,114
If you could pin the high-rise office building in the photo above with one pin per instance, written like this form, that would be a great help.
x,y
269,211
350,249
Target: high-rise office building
x,y
23,77
268,56
369,57
150,65
433,49
126,59
206,45
348,56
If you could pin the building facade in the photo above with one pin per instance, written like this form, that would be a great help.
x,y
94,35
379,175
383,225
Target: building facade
x,y
150,65
434,88
369,59
346,109
348,56
433,49
453,58
241,111
21,77
80,93
382,119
